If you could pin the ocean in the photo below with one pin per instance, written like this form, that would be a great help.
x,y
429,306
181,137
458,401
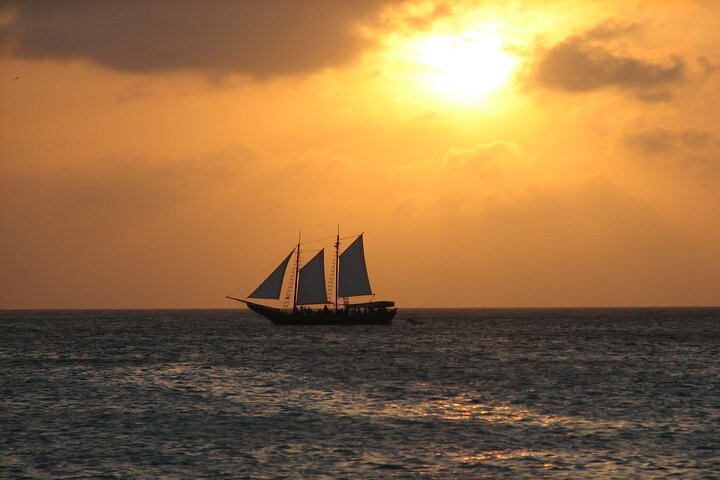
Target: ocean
x,y
480,393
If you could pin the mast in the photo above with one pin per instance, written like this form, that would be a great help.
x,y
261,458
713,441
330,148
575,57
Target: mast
x,y
297,272
337,257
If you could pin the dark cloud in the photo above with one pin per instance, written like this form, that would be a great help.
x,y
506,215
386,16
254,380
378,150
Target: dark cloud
x,y
692,151
260,38
662,140
654,97
707,65
657,140
590,61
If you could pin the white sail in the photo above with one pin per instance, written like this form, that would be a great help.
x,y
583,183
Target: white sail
x,y
353,279
272,285
311,282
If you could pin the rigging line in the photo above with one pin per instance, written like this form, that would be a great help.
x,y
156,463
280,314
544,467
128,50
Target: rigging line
x,y
318,240
334,237
259,273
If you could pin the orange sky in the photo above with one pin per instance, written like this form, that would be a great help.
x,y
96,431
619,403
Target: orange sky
x,y
538,153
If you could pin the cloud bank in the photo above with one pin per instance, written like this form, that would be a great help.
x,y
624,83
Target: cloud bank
x,y
590,61
663,140
258,38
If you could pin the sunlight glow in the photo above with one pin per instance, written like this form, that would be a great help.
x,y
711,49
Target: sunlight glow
x,y
465,67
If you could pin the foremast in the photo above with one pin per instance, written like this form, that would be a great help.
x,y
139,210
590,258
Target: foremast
x,y
297,272
337,264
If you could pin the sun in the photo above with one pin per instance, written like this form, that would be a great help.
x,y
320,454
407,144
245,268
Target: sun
x,y
464,67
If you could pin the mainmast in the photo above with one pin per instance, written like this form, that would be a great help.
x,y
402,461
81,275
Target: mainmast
x,y
337,256
297,272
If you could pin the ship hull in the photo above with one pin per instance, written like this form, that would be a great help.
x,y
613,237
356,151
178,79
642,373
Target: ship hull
x,y
284,317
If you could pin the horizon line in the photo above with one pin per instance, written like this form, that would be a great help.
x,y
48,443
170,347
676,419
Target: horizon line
x,y
557,307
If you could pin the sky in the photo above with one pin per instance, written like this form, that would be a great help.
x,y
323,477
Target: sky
x,y
496,154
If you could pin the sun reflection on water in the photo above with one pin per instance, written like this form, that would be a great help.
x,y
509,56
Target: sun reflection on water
x,y
465,408
275,391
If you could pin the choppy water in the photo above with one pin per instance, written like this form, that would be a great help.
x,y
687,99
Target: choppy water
x,y
466,394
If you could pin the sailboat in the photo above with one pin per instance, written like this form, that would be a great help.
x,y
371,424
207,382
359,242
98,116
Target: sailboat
x,y
310,293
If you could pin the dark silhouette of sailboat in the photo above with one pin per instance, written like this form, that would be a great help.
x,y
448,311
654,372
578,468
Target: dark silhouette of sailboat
x,y
308,289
